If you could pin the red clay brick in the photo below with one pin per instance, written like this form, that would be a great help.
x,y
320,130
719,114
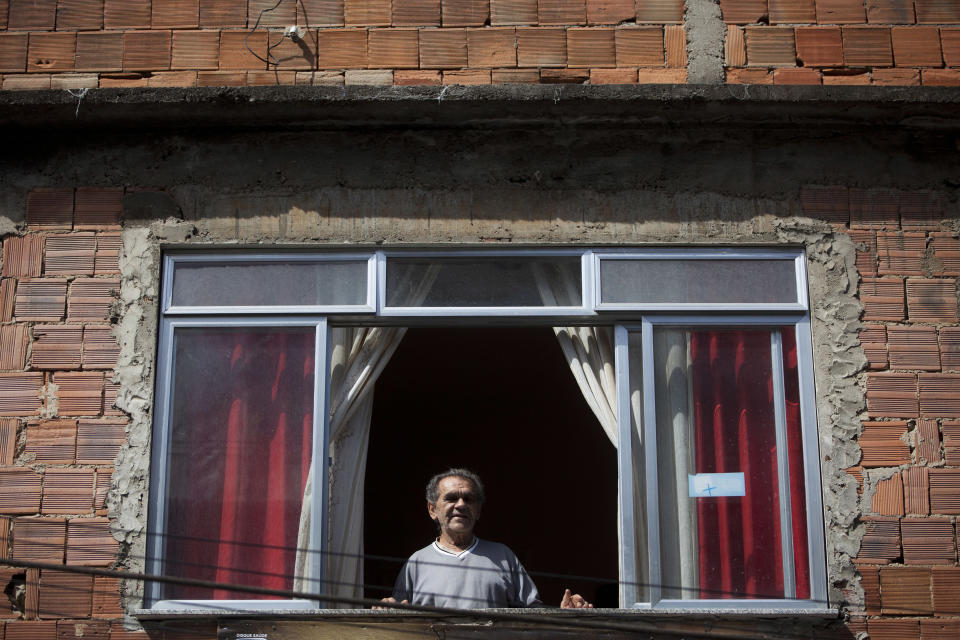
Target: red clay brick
x,y
443,48
515,76
49,209
768,47
568,12
32,82
734,47
106,604
613,76
946,585
831,204
126,14
196,50
289,54
32,630
916,46
660,11
146,50
8,445
892,395
467,76
225,13
393,48
661,76
416,13
234,52
950,347
945,491
221,78
928,11
675,45
928,441
890,11
99,51
749,76
591,47
840,12
97,208
887,629
23,256
564,76
951,442
513,12
541,47
368,13
13,52
20,393
940,395
880,545
271,14
639,47
40,539
882,298
870,582
465,13
905,591
417,77
90,298
913,348
874,208
845,77
796,76
819,46
603,12
939,629
940,77
79,15
172,79
881,442
873,337
916,492
928,541
950,44
52,441
896,77
90,543
40,299
108,253
792,11
56,347
19,490
742,11
79,394
921,210
99,441
932,300
175,14
494,47
67,491
888,497
65,594
71,254
867,46
32,15
342,48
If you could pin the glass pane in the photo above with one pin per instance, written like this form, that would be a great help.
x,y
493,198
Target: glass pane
x,y
484,282
720,527
639,507
697,281
242,426
255,284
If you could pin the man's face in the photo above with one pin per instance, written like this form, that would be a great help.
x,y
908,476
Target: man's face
x,y
458,507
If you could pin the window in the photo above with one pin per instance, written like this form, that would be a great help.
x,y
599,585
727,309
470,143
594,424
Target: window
x,y
266,361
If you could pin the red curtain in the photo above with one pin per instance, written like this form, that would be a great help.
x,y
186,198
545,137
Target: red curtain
x,y
240,455
739,537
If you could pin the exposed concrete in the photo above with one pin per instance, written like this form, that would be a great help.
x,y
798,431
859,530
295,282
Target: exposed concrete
x,y
705,41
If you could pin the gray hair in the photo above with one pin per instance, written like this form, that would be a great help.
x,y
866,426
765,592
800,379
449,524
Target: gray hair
x,y
433,487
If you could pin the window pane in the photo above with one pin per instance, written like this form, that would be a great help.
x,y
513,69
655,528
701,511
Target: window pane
x,y
640,540
697,281
484,282
720,527
241,424
254,284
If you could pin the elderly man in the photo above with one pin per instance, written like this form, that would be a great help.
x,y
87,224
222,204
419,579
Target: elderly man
x,y
458,569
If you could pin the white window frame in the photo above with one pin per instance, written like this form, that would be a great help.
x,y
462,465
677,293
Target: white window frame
x,y
624,318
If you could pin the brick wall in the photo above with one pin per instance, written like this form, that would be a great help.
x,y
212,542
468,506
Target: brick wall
x,y
842,42
59,430
910,441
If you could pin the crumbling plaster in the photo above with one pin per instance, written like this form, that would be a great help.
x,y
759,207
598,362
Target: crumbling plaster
x,y
550,186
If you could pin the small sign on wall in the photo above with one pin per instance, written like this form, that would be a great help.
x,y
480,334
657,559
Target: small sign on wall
x,y
716,485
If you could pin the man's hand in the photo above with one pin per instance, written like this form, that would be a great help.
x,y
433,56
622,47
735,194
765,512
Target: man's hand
x,y
574,601
392,599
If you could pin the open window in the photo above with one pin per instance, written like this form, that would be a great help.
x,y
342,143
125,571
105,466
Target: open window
x,y
695,365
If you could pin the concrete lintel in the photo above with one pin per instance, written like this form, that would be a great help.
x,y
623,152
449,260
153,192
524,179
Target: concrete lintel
x,y
490,106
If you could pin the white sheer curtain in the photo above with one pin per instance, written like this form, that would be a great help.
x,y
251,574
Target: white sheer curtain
x,y
357,357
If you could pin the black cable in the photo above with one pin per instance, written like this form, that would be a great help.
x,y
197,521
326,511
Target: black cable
x,y
559,619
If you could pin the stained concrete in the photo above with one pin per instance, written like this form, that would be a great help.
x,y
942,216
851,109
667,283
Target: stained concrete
x,y
558,182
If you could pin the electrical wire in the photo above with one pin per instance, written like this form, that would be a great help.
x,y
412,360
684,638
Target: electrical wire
x,y
572,619
270,59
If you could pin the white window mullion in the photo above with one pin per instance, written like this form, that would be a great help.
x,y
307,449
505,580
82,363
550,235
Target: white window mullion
x,y
783,464
649,428
625,471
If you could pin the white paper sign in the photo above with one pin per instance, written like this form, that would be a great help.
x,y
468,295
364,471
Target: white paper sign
x,y
715,485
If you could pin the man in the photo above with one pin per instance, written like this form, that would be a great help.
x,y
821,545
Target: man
x,y
458,569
